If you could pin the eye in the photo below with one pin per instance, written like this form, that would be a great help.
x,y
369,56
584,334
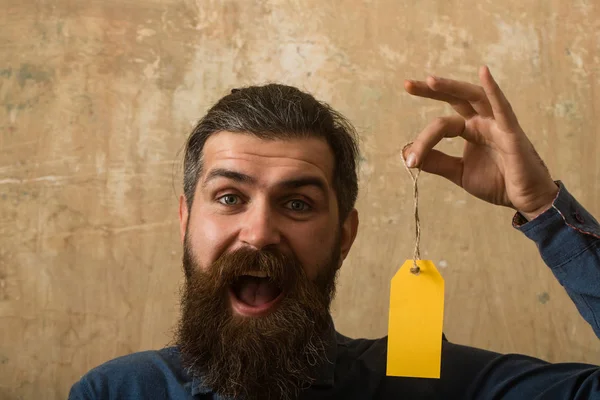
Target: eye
x,y
229,199
298,205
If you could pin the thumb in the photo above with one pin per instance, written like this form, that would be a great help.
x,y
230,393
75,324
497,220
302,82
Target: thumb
x,y
439,163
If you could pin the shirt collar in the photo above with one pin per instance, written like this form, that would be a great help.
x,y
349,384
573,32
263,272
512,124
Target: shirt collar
x,y
325,371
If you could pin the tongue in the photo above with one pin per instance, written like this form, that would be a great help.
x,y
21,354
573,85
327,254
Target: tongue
x,y
257,291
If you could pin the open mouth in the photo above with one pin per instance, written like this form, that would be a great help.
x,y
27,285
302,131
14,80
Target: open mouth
x,y
254,294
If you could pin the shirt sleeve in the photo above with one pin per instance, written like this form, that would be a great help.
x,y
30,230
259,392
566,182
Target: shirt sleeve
x,y
568,239
80,391
517,377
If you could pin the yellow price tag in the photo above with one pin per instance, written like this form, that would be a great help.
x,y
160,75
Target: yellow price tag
x,y
416,322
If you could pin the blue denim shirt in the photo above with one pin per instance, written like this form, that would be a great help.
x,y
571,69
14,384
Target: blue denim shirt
x,y
568,238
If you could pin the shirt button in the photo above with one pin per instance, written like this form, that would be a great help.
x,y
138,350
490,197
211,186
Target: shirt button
x,y
578,217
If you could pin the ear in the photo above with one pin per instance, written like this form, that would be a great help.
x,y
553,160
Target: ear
x,y
348,234
183,217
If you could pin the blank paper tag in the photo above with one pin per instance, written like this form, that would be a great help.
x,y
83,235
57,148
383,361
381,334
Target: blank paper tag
x,y
416,321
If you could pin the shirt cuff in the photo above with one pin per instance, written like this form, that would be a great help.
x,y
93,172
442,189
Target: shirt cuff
x,y
566,210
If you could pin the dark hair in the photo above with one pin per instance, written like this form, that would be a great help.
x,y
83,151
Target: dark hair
x,y
278,112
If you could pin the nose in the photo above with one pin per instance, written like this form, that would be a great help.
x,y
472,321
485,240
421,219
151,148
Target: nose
x,y
259,227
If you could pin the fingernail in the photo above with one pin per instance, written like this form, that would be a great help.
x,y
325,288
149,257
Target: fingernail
x,y
411,160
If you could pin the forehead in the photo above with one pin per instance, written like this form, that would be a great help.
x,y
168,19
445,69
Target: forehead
x,y
268,157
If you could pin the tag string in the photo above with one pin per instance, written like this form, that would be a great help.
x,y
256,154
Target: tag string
x,y
415,177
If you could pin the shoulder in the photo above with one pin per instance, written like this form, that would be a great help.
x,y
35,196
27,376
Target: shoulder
x,y
368,355
365,361
361,348
133,376
142,364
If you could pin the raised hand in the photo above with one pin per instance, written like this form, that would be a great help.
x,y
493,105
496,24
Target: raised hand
x,y
499,164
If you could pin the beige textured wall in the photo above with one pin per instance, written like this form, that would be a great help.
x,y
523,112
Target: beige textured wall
x,y
97,97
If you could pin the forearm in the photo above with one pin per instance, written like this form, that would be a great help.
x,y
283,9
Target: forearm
x,y
568,238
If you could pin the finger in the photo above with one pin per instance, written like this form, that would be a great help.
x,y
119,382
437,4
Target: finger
x,y
503,112
473,94
430,136
442,164
421,89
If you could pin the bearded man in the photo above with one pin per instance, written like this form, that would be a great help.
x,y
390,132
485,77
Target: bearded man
x,y
267,218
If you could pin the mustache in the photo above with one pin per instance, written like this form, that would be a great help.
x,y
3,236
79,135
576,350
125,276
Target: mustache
x,y
281,269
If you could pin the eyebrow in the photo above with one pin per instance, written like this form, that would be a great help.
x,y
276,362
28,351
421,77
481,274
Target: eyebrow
x,y
296,183
228,174
239,177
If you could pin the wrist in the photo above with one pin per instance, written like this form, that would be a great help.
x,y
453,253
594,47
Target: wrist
x,y
549,197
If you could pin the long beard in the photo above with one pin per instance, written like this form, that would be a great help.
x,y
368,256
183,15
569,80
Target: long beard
x,y
269,357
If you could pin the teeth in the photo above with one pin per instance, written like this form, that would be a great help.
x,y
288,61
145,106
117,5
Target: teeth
x,y
258,274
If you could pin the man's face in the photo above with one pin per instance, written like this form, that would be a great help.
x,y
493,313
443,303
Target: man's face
x,y
255,193
263,243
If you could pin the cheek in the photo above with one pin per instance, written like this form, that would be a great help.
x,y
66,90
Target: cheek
x,y
208,237
313,247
